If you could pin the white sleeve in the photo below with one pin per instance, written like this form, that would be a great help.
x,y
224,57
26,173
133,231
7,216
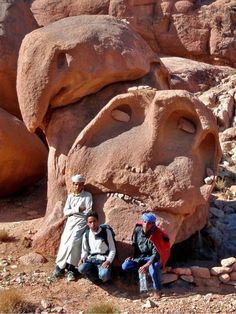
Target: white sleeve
x,y
85,247
112,247
67,208
88,203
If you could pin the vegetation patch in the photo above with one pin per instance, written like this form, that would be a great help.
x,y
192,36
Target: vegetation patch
x,y
4,236
12,301
104,307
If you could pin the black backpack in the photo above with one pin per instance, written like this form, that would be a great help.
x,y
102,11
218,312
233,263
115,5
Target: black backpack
x,y
103,235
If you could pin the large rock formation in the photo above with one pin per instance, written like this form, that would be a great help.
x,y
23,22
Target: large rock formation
x,y
202,30
23,156
56,69
16,21
147,149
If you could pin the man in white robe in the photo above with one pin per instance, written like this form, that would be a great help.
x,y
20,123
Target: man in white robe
x,y
78,205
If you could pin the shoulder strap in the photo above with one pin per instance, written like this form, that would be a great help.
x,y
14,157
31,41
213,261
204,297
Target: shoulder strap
x,y
103,233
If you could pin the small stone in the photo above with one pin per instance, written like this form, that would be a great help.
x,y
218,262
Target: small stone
x,y
46,303
188,278
224,278
228,261
215,271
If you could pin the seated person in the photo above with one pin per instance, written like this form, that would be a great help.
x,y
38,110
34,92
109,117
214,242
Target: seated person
x,y
97,253
146,256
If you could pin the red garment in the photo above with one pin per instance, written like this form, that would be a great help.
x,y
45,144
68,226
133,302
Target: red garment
x,y
161,241
162,244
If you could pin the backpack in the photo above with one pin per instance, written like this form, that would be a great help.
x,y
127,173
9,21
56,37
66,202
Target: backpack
x,y
103,235
161,242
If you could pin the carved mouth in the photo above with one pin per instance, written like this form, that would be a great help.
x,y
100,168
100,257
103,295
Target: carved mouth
x,y
127,199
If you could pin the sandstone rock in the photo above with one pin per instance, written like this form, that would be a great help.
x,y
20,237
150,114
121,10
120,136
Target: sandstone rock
x,y
23,155
227,262
161,24
194,76
182,271
168,278
233,276
187,278
101,150
224,278
16,22
48,11
210,283
220,270
116,53
201,272
32,259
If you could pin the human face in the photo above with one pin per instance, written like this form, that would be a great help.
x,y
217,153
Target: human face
x,y
147,226
92,223
78,186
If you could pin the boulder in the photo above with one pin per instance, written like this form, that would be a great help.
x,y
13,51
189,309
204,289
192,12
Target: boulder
x,y
16,21
23,155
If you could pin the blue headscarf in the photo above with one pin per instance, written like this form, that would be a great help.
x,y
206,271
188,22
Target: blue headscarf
x,y
149,217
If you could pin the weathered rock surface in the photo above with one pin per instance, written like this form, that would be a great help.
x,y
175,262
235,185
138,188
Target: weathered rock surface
x,y
57,69
194,76
16,21
46,12
199,30
162,173
23,155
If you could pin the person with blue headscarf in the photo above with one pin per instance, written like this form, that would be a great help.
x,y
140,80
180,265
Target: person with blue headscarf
x,y
146,257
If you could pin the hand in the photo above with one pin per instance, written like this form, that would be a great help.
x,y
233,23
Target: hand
x,y
128,259
144,268
81,261
106,264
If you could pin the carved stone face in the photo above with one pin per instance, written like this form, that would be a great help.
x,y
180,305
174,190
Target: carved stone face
x,y
149,149
142,150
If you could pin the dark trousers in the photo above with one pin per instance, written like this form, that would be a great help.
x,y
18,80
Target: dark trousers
x,y
154,270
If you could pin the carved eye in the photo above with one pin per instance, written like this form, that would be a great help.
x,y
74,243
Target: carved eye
x,y
186,125
122,113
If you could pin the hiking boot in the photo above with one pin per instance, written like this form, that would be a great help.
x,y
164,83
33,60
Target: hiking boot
x,y
57,273
70,276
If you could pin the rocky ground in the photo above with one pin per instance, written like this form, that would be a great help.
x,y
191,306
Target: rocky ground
x,y
21,215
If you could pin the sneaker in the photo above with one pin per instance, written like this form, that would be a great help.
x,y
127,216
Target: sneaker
x,y
70,276
57,273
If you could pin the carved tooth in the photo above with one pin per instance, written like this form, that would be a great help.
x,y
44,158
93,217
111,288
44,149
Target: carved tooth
x,y
133,88
127,198
142,169
138,170
108,194
120,195
133,169
127,167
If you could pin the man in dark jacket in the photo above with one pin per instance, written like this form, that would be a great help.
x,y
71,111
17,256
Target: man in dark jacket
x,y
146,257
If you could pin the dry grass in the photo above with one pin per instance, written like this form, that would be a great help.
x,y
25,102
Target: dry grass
x,y
4,236
104,307
220,185
11,301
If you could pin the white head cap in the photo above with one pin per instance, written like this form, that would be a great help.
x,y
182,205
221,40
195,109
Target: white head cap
x,y
77,178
